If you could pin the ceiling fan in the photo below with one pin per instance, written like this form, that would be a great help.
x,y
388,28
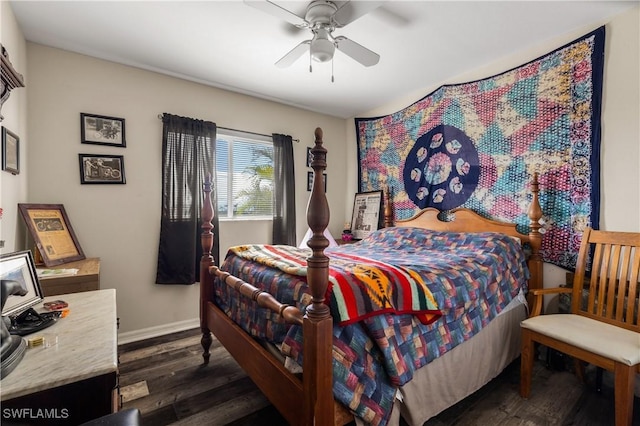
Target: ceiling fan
x,y
322,18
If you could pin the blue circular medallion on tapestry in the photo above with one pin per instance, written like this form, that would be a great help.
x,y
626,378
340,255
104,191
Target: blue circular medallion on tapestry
x,y
442,169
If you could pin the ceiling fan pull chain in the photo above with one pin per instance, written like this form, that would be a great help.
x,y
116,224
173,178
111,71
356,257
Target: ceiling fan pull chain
x,y
332,70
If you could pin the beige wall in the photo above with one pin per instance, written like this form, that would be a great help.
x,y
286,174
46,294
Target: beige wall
x,y
620,154
13,188
120,223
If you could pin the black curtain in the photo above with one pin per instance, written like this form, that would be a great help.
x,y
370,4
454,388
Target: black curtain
x,y
188,154
284,199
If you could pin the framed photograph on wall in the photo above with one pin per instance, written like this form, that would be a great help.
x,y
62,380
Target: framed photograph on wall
x,y
10,152
101,168
366,213
310,181
309,156
52,232
102,130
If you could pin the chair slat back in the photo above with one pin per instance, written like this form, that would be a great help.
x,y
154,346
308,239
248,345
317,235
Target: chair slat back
x,y
612,294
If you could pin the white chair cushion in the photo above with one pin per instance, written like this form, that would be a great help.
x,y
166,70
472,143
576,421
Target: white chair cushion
x,y
604,339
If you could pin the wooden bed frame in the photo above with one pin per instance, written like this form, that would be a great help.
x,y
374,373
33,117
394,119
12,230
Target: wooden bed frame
x,y
308,400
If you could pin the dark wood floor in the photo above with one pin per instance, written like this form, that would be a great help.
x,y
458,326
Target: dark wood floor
x,y
164,377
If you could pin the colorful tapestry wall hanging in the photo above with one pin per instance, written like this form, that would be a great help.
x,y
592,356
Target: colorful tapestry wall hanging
x,y
477,145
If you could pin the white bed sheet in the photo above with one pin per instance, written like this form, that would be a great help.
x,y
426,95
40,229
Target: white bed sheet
x,y
463,370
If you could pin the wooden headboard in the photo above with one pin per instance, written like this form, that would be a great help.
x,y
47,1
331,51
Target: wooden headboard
x,y
466,220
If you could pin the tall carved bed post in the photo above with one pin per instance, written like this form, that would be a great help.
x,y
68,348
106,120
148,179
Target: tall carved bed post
x,y
388,207
318,325
206,291
535,237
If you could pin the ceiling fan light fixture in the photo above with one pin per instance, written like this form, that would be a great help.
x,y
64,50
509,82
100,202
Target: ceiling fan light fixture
x,y
322,47
322,50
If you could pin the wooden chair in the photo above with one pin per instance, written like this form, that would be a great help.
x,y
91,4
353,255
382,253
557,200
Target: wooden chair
x,y
603,331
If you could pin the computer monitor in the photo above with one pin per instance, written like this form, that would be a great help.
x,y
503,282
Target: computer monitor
x,y
20,267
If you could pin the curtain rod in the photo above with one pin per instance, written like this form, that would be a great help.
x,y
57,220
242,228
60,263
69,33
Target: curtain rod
x,y
241,131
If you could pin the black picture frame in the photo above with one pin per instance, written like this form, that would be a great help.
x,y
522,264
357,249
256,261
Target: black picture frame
x,y
101,169
309,156
102,130
10,152
365,217
20,267
310,181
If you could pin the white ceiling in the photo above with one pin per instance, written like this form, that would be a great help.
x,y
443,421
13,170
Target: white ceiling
x,y
231,45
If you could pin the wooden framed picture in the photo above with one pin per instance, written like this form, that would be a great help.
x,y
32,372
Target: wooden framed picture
x,y
366,213
10,152
102,130
310,181
96,168
52,232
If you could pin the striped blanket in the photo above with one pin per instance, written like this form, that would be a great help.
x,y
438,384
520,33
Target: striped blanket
x,y
359,287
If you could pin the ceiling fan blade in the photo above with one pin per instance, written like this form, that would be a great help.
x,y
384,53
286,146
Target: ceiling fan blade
x,y
294,54
356,51
277,11
352,10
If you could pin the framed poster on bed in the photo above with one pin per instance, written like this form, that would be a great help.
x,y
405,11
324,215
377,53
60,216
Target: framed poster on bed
x,y
365,217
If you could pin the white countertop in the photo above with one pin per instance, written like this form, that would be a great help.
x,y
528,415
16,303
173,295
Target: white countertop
x,y
87,346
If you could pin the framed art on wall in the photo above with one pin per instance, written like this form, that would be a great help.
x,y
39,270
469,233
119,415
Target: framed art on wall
x,y
102,130
96,168
10,152
310,181
366,213
309,156
52,232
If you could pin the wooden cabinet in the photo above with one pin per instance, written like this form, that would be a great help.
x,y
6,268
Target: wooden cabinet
x,y
87,278
342,242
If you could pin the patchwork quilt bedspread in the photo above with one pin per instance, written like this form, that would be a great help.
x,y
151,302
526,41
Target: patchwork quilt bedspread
x,y
469,278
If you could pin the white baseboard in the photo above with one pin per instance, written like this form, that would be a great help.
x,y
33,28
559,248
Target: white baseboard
x,y
159,330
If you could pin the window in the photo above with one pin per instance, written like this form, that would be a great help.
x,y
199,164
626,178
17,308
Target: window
x,y
244,169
